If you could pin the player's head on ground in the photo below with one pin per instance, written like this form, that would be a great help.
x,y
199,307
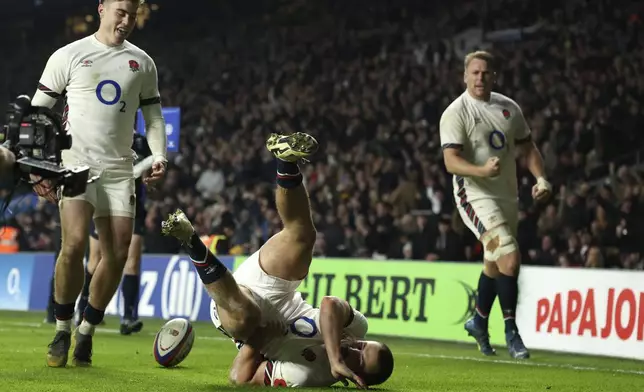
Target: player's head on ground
x,y
480,74
118,18
371,360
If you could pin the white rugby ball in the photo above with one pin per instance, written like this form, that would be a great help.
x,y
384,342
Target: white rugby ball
x,y
173,342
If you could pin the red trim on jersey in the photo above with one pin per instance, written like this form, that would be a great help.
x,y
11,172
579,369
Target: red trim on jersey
x,y
268,374
469,210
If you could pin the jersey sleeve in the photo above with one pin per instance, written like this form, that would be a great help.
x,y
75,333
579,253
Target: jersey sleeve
x,y
150,86
150,103
452,129
54,80
523,132
356,326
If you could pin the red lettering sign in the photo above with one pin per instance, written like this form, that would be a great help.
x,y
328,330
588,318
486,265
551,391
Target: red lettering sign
x,y
588,321
575,312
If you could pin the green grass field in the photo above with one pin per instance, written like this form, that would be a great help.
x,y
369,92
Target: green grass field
x,y
126,363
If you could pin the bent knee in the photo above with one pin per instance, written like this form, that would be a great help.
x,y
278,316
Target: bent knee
x,y
499,242
118,249
72,250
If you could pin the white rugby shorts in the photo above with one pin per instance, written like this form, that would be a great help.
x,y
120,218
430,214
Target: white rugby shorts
x,y
113,194
484,214
275,296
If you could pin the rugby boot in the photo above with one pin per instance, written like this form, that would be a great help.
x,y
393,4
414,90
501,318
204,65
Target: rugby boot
x,y
82,349
131,326
178,226
292,148
516,348
481,336
59,349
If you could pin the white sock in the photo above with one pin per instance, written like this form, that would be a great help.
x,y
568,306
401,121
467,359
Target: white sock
x,y
86,328
64,325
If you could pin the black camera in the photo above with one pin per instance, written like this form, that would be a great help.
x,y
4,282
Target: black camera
x,y
37,138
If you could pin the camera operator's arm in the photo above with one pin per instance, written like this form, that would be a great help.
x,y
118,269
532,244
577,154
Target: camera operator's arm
x,y
54,80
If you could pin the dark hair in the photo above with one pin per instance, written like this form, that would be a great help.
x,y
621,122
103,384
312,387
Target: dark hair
x,y
385,367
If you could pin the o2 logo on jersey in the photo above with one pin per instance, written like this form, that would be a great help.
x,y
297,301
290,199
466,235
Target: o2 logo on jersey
x,y
304,327
109,93
497,140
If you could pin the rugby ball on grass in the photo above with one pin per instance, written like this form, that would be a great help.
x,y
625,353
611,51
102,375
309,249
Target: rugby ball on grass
x,y
173,342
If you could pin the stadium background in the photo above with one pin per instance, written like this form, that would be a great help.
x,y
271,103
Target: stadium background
x,y
370,79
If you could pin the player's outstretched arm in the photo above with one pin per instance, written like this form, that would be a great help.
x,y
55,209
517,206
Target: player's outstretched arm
x,y
248,367
335,314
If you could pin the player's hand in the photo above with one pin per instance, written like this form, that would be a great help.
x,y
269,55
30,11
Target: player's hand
x,y
342,373
156,174
492,167
542,190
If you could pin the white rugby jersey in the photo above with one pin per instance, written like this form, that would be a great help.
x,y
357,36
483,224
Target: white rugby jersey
x,y
312,369
301,358
484,130
103,86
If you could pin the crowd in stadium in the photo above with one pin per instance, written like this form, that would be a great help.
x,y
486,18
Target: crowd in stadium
x,y
371,87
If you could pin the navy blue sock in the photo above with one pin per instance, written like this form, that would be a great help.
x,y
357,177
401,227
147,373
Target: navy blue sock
x,y
64,312
508,290
288,174
208,266
93,315
196,249
84,297
130,289
484,299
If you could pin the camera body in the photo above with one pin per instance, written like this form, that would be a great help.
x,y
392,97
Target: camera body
x,y
35,135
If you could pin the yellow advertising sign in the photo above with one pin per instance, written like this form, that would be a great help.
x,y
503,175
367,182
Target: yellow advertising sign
x,y
403,298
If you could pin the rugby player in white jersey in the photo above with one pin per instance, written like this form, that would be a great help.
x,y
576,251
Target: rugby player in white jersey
x,y
480,133
263,290
104,79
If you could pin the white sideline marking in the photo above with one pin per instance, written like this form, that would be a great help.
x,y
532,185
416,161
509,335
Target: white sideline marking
x,y
21,324
98,329
525,363
116,331
421,355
